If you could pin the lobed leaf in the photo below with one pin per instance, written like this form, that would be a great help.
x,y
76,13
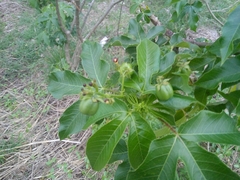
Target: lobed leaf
x,y
163,155
72,121
227,73
65,83
119,108
101,145
148,56
139,139
96,68
211,127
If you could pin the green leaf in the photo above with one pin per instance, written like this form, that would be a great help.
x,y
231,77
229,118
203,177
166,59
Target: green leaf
x,y
162,112
155,31
101,145
178,102
148,56
193,17
139,139
65,83
167,61
201,94
95,68
163,155
211,127
133,82
72,121
120,152
230,33
118,108
122,171
181,81
197,64
233,97
123,41
227,73
136,30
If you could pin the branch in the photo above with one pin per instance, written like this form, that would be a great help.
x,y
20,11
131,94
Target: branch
x,y
66,34
119,20
102,18
77,12
214,17
86,17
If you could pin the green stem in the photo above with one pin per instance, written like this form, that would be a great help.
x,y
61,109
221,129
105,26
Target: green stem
x,y
122,87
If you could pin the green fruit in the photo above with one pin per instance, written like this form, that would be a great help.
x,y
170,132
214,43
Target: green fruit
x,y
88,107
164,91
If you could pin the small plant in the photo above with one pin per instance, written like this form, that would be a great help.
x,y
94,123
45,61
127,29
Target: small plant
x,y
154,112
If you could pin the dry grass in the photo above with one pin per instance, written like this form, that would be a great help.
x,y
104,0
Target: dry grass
x,y
29,143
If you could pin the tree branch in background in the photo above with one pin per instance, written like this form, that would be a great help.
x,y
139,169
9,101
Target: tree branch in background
x,y
86,16
77,13
102,18
120,16
66,34
214,17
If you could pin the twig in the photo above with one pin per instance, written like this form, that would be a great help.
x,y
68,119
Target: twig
x,y
42,142
120,16
214,17
102,18
77,12
66,34
87,15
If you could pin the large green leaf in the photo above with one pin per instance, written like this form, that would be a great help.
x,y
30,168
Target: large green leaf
x,y
148,56
120,152
211,127
167,61
178,102
96,68
65,83
123,41
136,30
155,31
163,155
162,112
100,145
233,97
227,73
72,121
139,139
122,171
119,108
230,33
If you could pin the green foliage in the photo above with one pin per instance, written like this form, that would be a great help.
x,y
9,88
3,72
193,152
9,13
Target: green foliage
x,y
47,22
129,107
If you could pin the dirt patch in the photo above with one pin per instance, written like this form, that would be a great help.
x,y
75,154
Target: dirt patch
x,y
203,32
